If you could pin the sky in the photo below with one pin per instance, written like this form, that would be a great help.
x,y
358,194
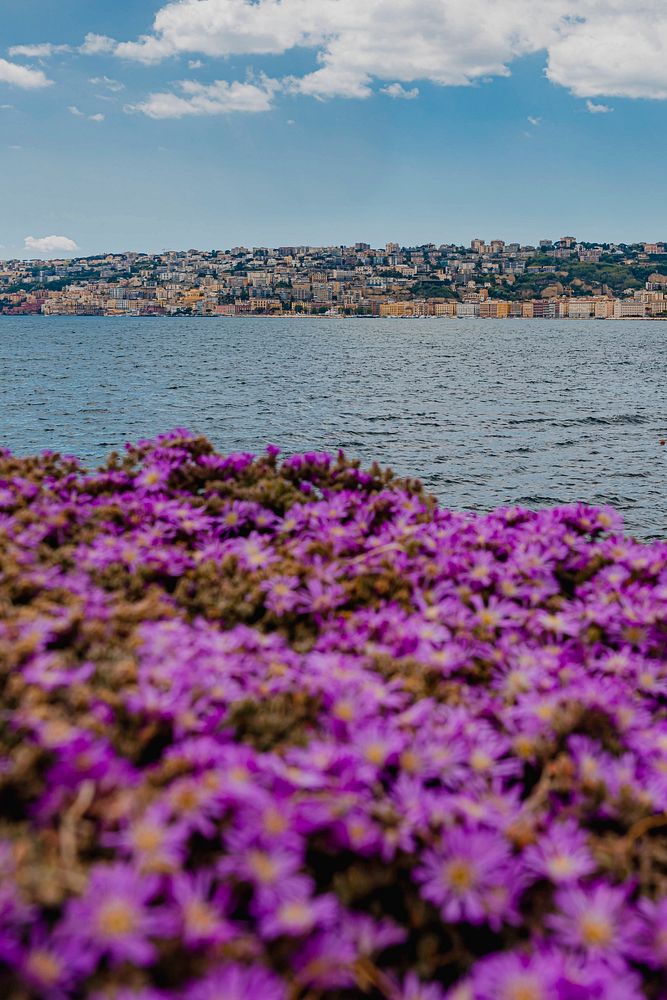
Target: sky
x,y
136,125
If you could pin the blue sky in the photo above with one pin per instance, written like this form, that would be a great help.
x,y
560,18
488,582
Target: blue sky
x,y
211,123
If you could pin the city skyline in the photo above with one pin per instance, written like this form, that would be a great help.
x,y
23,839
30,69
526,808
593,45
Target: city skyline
x,y
200,122
496,280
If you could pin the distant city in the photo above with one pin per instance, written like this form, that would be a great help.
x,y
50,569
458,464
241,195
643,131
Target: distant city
x,y
564,278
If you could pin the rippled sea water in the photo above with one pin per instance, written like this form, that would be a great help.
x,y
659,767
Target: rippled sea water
x,y
485,412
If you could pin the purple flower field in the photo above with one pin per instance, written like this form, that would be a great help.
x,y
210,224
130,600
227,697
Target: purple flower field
x,y
286,730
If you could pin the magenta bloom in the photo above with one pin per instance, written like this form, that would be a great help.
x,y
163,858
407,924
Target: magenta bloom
x,y
596,921
202,909
236,982
519,976
651,945
561,854
293,911
463,878
114,918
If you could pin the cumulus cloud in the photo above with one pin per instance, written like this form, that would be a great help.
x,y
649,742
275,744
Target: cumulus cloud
x,y
619,50
593,47
598,109
218,98
398,91
73,110
49,245
23,76
96,45
44,50
115,86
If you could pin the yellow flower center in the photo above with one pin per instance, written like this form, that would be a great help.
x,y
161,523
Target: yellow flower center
x,y
262,866
595,930
488,618
480,761
187,799
410,761
44,966
527,989
344,710
199,917
295,914
376,754
116,919
459,875
560,865
147,837
274,822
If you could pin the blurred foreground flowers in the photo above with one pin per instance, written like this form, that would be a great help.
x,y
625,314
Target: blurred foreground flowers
x,y
286,731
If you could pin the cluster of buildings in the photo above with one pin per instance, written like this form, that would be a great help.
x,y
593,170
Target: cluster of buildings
x,y
487,280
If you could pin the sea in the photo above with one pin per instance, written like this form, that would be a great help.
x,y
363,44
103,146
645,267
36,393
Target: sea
x,y
487,413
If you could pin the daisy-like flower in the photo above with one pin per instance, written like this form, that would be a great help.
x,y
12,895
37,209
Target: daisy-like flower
x,y
53,965
461,876
202,909
114,917
154,843
596,921
282,594
561,854
518,976
237,982
651,945
295,911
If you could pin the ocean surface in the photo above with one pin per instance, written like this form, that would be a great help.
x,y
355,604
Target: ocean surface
x,y
485,412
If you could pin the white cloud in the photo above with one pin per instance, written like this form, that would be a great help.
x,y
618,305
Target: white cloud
x,y
73,110
534,121
96,45
217,98
618,50
50,245
115,86
23,76
195,64
398,91
43,50
598,109
594,47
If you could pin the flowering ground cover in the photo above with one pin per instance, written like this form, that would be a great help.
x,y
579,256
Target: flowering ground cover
x,y
285,730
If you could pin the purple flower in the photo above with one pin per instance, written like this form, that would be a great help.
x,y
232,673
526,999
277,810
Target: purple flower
x,y
294,911
463,877
202,909
561,854
236,982
596,921
519,976
114,917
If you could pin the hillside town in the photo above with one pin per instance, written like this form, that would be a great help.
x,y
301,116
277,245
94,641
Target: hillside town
x,y
557,279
